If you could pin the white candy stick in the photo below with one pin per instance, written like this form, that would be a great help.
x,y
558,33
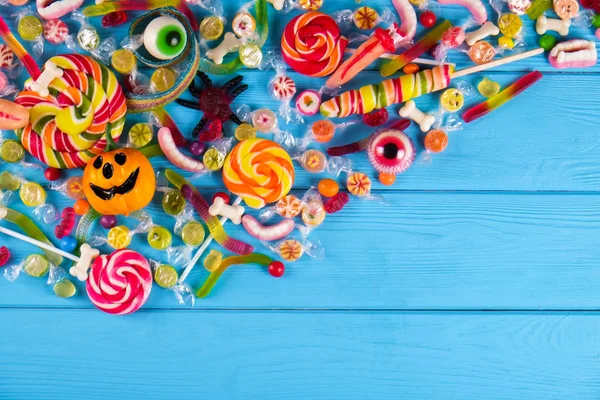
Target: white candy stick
x,y
203,248
391,56
37,243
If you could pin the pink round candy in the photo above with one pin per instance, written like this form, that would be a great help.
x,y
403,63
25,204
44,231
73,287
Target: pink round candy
x,y
55,31
3,81
284,87
598,33
119,283
453,37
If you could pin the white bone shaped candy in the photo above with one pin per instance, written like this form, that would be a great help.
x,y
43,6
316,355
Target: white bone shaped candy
x,y
277,4
545,24
230,43
219,207
80,269
486,30
51,71
411,111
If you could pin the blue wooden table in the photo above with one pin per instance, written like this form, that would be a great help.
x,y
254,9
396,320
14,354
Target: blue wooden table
x,y
477,279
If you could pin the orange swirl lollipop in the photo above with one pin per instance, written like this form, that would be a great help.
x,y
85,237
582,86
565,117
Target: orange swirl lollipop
x,y
258,170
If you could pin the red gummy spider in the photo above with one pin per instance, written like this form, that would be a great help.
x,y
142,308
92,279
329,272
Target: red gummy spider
x,y
215,103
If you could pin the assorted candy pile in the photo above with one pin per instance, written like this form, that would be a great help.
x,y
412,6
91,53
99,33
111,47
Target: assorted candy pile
x,y
71,115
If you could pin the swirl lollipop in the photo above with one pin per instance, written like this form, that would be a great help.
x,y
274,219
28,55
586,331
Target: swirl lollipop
x,y
258,170
120,283
312,44
71,120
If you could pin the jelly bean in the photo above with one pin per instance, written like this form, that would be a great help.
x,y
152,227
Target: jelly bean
x,y
108,221
81,207
68,243
547,42
52,174
328,187
67,223
411,68
387,179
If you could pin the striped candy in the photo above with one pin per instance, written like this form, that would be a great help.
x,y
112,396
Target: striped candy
x,y
391,91
69,127
119,283
258,170
312,44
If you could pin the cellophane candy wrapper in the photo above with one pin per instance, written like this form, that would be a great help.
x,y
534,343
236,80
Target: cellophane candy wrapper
x,y
289,206
37,39
313,211
293,247
348,19
12,272
7,89
183,292
215,7
71,187
512,31
322,131
282,88
358,183
34,195
88,39
284,138
55,274
452,39
144,225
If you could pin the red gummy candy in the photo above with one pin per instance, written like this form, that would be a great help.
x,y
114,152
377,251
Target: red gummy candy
x,y
4,255
67,224
336,203
214,132
376,118
114,19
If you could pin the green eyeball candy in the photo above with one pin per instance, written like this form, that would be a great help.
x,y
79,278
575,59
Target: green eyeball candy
x,y
165,38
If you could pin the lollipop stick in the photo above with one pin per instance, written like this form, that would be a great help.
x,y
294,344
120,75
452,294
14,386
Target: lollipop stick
x,y
203,248
391,56
37,243
493,64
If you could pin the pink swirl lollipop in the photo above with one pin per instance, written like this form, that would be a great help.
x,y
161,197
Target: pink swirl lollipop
x,y
120,283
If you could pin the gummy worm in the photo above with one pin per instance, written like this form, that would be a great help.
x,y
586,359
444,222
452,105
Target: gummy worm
x,y
507,94
408,17
140,5
172,153
267,233
83,227
422,46
214,225
151,151
31,230
262,28
214,276
476,8
349,148
19,50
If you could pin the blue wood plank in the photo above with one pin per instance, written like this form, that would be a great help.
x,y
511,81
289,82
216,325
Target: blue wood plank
x,y
299,355
423,251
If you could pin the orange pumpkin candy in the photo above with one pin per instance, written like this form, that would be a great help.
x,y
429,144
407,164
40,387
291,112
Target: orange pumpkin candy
x,y
119,182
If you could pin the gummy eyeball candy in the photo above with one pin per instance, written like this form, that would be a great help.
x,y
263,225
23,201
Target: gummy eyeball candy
x,y
165,38
391,151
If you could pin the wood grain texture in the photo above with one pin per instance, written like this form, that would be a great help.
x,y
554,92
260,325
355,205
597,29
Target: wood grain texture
x,y
432,295
299,355
424,251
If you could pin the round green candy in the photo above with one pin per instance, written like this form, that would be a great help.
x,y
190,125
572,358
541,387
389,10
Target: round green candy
x,y
547,42
596,21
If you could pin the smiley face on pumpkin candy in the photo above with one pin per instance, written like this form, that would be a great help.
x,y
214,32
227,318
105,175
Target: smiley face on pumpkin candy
x,y
119,182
